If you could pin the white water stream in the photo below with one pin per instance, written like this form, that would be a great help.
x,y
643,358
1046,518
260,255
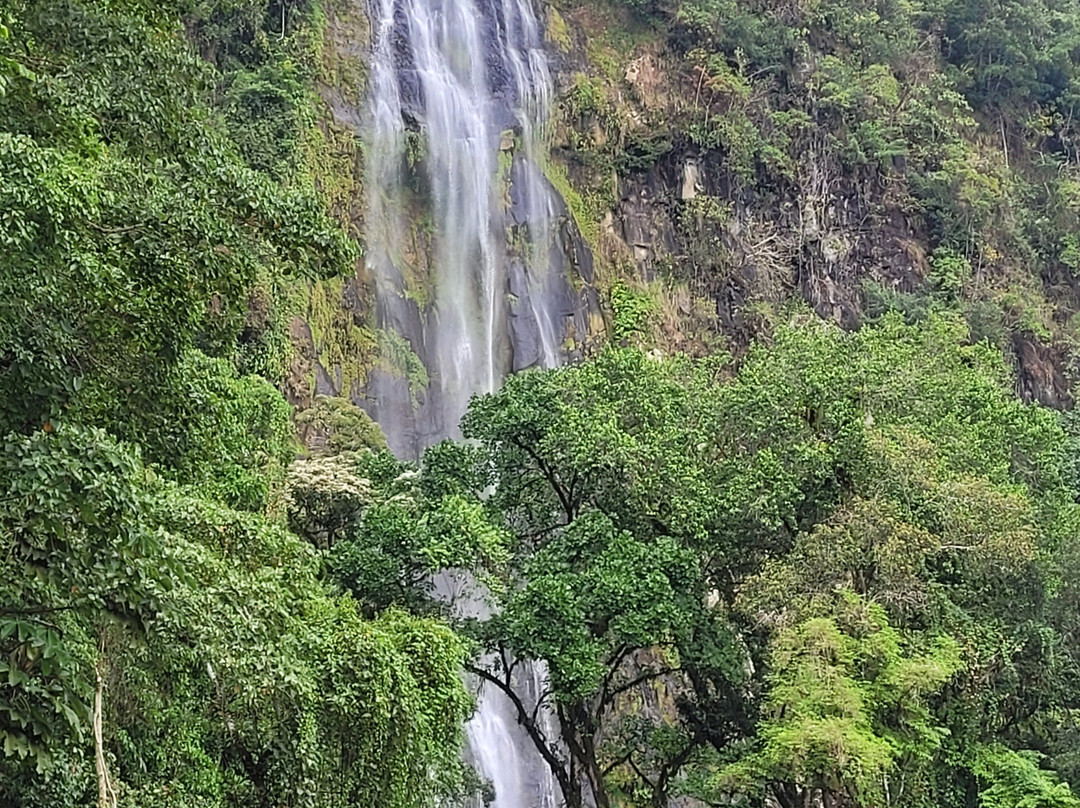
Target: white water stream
x,y
461,87
452,82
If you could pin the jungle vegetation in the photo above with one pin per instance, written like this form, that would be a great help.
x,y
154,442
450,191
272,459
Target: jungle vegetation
x,y
836,568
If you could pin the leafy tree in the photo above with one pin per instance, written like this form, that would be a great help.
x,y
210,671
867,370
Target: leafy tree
x,y
165,641
76,562
388,528
131,226
208,426
1014,778
331,425
676,523
593,471
847,704
231,676
326,497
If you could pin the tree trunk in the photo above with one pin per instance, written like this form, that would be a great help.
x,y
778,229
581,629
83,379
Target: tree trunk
x,y
563,772
579,733
106,795
596,776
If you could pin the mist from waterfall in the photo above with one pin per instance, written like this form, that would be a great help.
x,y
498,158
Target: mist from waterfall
x,y
461,90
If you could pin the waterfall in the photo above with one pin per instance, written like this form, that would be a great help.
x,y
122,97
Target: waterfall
x,y
460,93
460,89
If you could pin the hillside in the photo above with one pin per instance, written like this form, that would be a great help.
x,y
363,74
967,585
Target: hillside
x,y
590,403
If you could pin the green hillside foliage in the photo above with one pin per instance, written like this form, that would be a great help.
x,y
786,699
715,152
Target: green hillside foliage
x,y
846,559
148,182
882,532
954,121
837,568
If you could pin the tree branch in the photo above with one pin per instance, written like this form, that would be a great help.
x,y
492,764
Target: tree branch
x,y
106,794
645,677
616,764
508,667
540,703
550,476
640,773
558,768
614,661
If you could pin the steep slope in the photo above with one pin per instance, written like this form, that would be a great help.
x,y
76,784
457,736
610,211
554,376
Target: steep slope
x,y
721,160
858,155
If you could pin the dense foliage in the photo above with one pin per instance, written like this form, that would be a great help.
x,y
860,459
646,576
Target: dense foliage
x,y
846,565
840,569
164,639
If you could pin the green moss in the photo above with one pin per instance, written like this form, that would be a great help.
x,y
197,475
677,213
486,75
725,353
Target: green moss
x,y
506,162
413,256
583,214
344,73
557,31
604,58
397,357
329,156
345,349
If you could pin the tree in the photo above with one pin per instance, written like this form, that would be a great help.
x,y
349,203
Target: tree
x,y
194,651
847,705
76,565
1015,779
607,613
165,641
333,425
594,473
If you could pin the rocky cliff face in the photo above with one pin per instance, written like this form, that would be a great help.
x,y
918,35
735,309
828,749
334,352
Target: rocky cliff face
x,y
727,190
661,192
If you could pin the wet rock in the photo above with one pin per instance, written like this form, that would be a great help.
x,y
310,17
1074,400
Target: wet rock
x,y
354,299
327,380
1040,377
400,314
582,255
388,401
525,340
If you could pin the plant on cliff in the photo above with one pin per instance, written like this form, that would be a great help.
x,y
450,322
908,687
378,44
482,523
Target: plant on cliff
x,y
839,130
132,228
592,472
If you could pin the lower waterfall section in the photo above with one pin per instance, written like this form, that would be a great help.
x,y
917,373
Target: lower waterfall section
x,y
460,91
519,778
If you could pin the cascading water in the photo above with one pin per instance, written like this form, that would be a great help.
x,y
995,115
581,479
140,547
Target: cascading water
x,y
461,89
